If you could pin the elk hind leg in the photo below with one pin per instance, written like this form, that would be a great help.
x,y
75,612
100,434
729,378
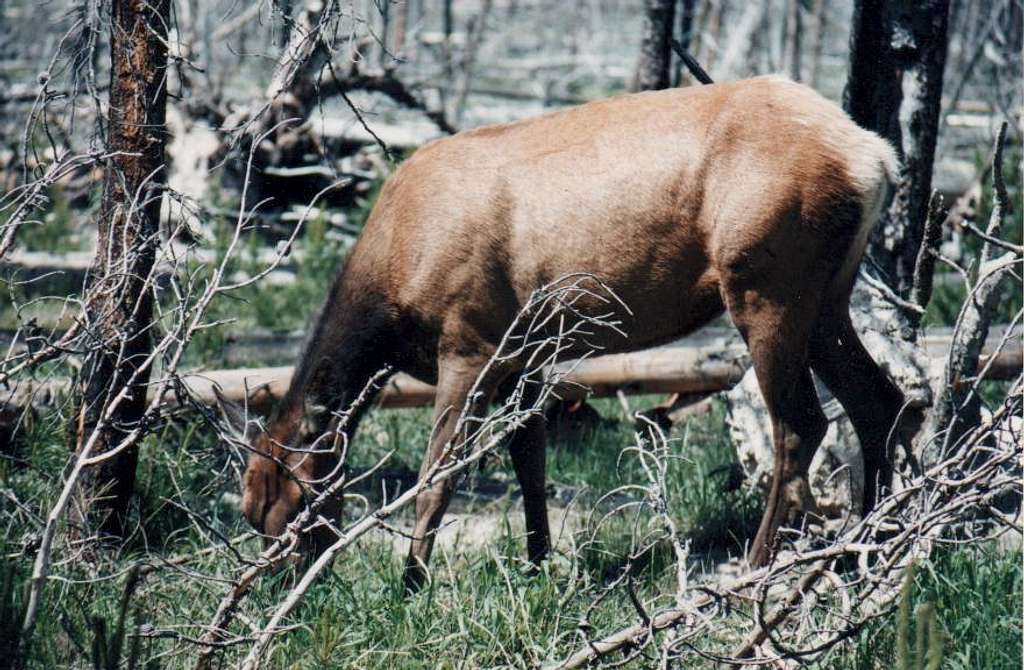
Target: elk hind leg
x,y
777,338
870,398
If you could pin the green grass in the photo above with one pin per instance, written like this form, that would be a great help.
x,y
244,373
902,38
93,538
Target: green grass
x,y
483,608
976,593
358,616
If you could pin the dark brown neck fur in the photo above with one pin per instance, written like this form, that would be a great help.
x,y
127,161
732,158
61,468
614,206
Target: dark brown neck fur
x,y
351,338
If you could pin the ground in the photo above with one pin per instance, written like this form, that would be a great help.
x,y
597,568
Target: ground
x,y
483,608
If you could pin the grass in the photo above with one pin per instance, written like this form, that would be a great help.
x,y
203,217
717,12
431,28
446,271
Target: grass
x,y
483,608
976,593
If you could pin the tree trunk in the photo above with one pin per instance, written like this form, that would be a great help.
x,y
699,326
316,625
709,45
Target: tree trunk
x,y
888,38
385,45
733,57
286,18
874,91
448,71
120,303
925,60
873,87
818,40
475,29
794,39
687,16
398,38
652,70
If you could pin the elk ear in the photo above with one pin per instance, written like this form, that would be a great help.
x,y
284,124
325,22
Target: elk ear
x,y
234,413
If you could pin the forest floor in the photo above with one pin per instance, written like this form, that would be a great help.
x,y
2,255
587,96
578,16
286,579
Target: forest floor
x,y
482,608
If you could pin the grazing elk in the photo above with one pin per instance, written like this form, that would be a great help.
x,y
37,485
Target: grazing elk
x,y
754,197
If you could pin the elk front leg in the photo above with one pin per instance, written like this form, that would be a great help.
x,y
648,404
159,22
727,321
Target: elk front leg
x,y
456,378
527,450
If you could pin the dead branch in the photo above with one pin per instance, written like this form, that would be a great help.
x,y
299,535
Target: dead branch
x,y
691,63
957,406
924,268
903,528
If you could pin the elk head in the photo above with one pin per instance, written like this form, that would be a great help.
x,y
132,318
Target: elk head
x,y
280,472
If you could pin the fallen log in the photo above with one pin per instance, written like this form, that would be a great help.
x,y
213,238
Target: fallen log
x,y
665,370
710,361
267,348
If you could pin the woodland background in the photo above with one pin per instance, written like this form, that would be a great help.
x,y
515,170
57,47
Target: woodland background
x,y
182,179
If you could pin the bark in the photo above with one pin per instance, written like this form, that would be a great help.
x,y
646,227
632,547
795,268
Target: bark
x,y
120,303
873,87
925,60
794,39
652,70
687,16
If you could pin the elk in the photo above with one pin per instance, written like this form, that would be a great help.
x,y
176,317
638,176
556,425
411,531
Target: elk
x,y
751,197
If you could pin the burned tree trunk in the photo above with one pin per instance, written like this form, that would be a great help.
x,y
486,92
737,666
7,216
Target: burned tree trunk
x,y
687,15
890,38
924,61
873,87
652,71
119,304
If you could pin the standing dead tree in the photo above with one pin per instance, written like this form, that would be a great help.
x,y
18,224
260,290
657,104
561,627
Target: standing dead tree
x,y
687,16
652,70
172,330
897,61
873,88
119,302
794,39
958,406
924,59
